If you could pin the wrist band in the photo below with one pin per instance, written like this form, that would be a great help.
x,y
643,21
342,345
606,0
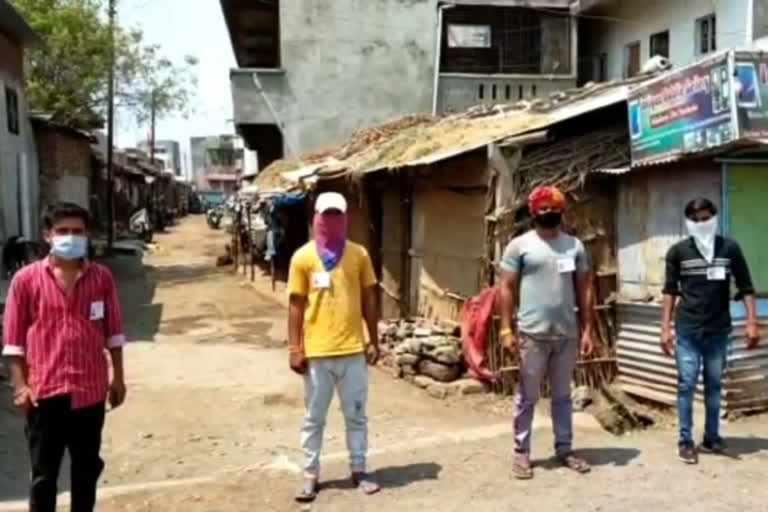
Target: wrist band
x,y
505,332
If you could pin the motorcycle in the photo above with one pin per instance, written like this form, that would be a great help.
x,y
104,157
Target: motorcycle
x,y
140,224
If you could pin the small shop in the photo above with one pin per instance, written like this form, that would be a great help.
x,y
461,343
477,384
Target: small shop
x,y
697,131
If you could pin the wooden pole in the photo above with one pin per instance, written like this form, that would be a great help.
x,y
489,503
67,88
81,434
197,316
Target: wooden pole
x,y
250,243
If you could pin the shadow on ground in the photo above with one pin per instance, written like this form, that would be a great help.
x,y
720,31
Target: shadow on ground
x,y
394,476
740,446
608,456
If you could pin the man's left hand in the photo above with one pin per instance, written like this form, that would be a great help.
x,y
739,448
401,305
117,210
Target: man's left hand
x,y
753,335
372,354
587,344
117,393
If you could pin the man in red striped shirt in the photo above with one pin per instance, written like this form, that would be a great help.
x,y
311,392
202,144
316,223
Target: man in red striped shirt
x,y
61,317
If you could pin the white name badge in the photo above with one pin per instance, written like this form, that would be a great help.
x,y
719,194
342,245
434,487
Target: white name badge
x,y
321,280
97,310
716,273
565,265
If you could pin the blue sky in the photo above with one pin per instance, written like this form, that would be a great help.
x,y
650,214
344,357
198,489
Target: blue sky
x,y
184,27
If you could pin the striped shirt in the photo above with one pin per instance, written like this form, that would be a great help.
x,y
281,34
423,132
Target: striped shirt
x,y
63,336
705,288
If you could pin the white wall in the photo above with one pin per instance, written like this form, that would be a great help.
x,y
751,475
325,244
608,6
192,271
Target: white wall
x,y
18,169
640,19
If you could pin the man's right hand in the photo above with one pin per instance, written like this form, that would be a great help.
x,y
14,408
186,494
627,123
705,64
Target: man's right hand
x,y
24,399
668,341
297,361
510,343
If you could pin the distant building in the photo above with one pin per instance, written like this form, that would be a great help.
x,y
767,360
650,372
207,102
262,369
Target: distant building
x,y
307,80
680,30
217,162
168,151
19,188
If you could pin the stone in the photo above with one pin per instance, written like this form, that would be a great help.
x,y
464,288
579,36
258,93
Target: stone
x,y
407,359
422,332
409,346
438,392
582,398
445,355
408,369
439,372
423,381
470,387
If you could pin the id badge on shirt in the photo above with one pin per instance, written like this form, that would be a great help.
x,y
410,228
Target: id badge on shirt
x,y
716,273
321,280
566,265
97,310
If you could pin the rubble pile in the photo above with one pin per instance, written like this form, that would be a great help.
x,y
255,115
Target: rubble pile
x,y
413,347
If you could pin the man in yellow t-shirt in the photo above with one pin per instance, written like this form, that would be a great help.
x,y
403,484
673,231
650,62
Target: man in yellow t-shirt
x,y
332,288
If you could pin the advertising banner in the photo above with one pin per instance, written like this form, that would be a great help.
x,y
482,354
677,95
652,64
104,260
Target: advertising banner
x,y
751,89
685,111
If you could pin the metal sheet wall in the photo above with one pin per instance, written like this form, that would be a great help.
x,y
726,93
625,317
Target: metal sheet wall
x,y
645,371
650,220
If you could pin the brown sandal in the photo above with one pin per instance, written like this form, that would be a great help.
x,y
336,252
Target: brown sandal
x,y
521,467
574,463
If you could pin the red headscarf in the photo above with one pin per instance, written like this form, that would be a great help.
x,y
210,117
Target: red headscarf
x,y
544,194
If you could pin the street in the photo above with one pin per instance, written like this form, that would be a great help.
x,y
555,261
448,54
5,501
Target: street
x,y
212,418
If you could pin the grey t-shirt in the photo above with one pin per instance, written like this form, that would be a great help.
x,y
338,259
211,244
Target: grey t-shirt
x,y
547,301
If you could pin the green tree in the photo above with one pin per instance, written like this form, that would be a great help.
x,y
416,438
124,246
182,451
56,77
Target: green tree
x,y
67,76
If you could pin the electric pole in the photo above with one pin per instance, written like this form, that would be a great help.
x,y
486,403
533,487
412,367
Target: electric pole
x,y
111,130
152,128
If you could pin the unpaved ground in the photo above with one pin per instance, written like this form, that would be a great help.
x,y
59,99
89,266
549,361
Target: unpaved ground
x,y
212,418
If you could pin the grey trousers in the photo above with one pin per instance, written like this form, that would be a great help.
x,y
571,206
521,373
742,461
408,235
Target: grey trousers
x,y
349,376
556,357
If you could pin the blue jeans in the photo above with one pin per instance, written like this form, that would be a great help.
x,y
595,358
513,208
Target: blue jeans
x,y
692,350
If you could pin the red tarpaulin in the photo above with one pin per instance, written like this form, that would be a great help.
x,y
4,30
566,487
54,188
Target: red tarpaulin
x,y
476,317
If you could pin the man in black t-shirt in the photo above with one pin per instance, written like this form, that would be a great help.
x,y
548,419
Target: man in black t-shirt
x,y
698,280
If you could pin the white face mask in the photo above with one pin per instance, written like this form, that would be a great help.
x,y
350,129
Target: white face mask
x,y
703,234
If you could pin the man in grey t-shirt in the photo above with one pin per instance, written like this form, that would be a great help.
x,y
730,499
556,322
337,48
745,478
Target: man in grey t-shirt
x,y
545,276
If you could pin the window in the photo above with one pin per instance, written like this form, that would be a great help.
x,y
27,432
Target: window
x,y
660,44
12,108
505,40
632,59
602,67
706,32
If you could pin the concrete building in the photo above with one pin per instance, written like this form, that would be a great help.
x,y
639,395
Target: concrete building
x,y
311,72
168,151
19,213
617,37
217,161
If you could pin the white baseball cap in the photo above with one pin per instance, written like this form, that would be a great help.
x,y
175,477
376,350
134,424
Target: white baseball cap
x,y
330,201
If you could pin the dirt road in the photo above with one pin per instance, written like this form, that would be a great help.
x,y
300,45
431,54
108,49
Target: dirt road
x,y
212,418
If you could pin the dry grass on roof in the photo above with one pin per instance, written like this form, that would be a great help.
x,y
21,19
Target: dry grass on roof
x,y
272,175
449,135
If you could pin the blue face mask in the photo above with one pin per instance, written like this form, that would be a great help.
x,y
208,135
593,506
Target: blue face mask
x,y
69,247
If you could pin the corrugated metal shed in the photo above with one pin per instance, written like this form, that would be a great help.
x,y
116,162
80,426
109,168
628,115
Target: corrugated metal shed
x,y
647,372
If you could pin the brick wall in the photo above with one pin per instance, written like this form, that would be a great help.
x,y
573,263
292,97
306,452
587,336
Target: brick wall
x,y
11,57
60,154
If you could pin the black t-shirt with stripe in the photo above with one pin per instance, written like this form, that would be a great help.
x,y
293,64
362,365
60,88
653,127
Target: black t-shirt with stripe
x,y
705,288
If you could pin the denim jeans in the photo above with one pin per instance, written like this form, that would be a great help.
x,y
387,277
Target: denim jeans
x,y
694,351
349,376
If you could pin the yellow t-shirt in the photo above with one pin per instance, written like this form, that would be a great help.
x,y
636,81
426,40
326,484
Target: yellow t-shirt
x,y
333,320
